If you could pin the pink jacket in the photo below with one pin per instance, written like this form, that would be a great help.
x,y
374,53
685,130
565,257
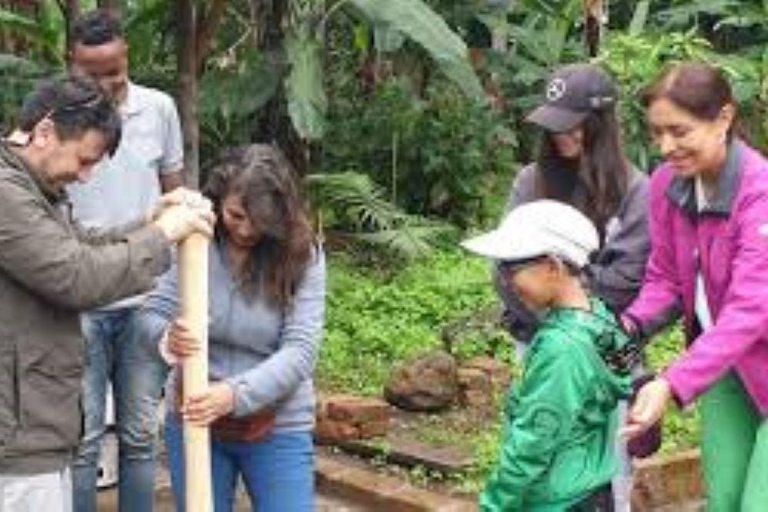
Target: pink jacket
x,y
728,241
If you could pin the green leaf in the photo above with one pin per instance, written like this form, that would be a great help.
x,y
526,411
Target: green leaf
x,y
416,20
46,32
639,17
307,101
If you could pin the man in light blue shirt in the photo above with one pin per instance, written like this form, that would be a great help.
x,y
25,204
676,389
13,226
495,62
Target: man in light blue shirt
x,y
148,162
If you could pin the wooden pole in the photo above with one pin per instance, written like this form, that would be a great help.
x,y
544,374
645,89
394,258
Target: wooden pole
x,y
193,292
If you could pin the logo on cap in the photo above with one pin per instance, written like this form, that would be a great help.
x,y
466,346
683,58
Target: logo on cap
x,y
555,89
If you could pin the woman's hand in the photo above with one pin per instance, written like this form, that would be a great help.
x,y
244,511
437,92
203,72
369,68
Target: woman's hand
x,y
182,342
203,409
649,406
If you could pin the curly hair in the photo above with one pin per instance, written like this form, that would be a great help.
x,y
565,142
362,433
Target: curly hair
x,y
75,104
262,176
95,28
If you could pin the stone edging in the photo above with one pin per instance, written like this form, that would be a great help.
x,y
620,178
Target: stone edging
x,y
670,482
376,491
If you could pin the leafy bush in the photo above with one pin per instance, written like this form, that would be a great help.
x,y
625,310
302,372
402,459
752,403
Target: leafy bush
x,y
376,319
636,59
437,154
681,429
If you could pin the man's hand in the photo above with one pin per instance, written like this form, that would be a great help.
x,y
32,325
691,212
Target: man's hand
x,y
649,406
176,197
181,220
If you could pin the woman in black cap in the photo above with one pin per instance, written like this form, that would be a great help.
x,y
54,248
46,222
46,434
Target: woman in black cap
x,y
581,163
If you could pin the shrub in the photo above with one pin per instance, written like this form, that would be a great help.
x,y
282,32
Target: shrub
x,y
376,319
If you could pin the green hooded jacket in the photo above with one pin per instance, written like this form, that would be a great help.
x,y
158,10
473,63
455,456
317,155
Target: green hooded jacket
x,y
561,419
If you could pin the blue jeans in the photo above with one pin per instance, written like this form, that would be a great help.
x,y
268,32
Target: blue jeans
x,y
117,351
277,472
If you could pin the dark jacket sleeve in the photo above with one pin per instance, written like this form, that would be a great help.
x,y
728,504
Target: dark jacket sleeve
x,y
617,271
43,252
98,236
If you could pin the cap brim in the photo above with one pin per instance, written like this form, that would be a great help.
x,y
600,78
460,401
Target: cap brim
x,y
556,119
496,246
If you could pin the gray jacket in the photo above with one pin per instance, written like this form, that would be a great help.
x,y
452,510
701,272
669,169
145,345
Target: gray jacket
x,y
268,355
50,271
616,273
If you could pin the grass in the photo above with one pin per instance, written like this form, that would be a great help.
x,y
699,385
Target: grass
x,y
377,318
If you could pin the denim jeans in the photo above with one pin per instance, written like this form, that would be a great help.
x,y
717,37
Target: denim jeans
x,y
116,351
277,472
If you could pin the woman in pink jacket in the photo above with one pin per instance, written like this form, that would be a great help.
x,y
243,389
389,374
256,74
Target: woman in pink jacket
x,y
709,263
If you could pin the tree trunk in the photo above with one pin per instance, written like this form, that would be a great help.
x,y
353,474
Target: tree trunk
x,y
71,12
206,26
593,25
273,124
115,6
186,14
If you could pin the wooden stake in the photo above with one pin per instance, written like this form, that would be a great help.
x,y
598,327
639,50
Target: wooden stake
x,y
193,292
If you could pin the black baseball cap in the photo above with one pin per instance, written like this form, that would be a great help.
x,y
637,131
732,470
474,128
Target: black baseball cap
x,y
571,93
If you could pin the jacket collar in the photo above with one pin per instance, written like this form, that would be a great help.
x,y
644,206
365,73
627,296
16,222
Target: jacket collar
x,y
16,161
682,191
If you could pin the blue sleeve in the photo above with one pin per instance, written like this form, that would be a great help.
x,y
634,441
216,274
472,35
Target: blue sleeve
x,y
294,361
160,307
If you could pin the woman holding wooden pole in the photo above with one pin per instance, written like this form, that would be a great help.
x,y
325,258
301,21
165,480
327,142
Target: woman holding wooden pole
x,y
266,297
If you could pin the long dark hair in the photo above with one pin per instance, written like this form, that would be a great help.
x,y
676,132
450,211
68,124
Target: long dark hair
x,y
262,176
603,170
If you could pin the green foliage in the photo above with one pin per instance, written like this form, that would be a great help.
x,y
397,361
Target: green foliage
x,y
633,61
17,78
43,34
376,319
681,429
148,30
398,19
349,205
416,20
304,88
439,154
636,59
231,94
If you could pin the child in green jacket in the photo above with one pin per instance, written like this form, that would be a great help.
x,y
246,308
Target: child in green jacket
x,y
558,448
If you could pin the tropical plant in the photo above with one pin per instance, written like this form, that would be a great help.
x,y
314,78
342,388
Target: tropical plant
x,y
351,207
437,154
634,60
392,21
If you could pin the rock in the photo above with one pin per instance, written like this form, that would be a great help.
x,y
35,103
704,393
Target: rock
x,y
328,431
357,409
429,383
346,417
475,387
498,372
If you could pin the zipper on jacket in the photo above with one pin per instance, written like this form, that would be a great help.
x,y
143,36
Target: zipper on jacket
x,y
16,389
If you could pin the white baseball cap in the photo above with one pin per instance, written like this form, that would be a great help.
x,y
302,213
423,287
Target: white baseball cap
x,y
539,228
